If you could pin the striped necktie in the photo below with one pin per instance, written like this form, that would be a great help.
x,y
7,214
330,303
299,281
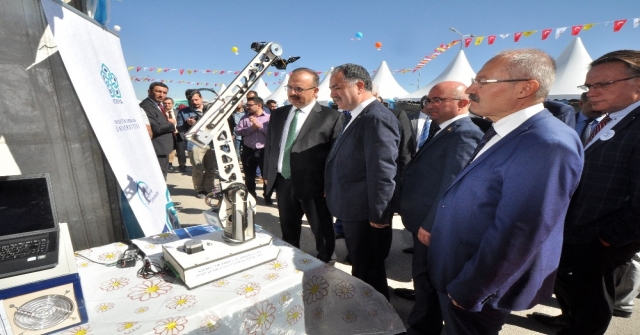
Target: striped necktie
x,y
598,127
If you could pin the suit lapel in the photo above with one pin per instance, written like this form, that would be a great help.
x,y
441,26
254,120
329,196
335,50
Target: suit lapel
x,y
617,128
350,127
516,132
444,132
313,116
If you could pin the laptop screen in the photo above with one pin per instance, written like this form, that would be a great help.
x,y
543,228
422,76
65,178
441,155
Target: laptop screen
x,y
26,204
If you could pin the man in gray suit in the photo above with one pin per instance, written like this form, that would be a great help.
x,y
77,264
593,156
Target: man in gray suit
x,y
360,173
162,126
448,146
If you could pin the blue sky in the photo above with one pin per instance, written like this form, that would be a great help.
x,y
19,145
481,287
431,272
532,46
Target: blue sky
x,y
199,34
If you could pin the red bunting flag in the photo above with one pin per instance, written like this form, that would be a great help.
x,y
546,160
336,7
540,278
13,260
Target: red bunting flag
x,y
467,41
222,71
194,71
181,71
276,74
546,33
516,36
492,38
617,25
575,30
151,69
138,69
167,70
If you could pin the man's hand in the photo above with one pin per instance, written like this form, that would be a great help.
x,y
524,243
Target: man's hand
x,y
378,225
172,121
424,236
255,123
191,121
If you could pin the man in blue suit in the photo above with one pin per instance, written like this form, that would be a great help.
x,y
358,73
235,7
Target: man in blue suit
x,y
496,240
360,172
448,147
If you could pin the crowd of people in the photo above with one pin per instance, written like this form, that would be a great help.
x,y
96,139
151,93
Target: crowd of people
x,y
509,197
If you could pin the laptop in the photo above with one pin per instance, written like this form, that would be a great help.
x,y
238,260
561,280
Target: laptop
x,y
29,231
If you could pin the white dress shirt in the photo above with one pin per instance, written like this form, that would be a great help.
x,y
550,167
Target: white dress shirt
x,y
445,124
422,118
510,122
302,117
356,111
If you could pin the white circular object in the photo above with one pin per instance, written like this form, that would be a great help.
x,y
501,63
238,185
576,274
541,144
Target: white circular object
x,y
116,28
276,49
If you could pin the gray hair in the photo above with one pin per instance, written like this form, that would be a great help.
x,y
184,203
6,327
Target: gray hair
x,y
353,73
531,64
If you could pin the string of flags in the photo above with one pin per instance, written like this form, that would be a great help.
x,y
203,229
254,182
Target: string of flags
x,y
545,33
148,79
192,71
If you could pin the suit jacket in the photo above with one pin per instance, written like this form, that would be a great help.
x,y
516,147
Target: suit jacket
x,y
405,152
497,236
432,170
607,202
308,153
360,172
563,112
162,129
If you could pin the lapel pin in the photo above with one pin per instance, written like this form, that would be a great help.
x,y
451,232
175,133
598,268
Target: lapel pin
x,y
607,135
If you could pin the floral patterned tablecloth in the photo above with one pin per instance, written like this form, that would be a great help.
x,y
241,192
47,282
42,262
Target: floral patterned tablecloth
x,y
295,294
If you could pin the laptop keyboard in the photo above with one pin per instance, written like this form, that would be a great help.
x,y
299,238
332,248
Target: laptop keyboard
x,y
36,248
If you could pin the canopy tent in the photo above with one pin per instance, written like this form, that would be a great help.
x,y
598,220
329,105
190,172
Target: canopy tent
x,y
280,94
458,70
388,87
261,88
572,67
324,93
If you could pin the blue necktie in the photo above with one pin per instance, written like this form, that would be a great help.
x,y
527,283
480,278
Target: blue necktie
x,y
487,136
346,115
425,133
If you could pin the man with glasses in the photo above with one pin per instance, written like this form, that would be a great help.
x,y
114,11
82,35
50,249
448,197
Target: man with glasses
x,y
299,140
448,146
496,238
253,128
602,227
360,174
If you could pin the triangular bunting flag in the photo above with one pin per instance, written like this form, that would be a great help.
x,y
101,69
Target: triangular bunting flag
x,y
588,26
575,30
159,70
130,68
138,69
479,40
491,39
467,41
617,25
503,36
167,70
546,33
529,33
516,37
636,22
559,31
181,71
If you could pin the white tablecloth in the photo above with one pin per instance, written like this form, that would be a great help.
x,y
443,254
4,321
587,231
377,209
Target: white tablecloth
x,y
295,294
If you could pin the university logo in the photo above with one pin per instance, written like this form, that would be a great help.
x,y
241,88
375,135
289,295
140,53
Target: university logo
x,y
111,81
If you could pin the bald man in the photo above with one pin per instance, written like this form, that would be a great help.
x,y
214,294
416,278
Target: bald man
x,y
441,156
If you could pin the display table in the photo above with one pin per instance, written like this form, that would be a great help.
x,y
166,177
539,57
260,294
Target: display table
x,y
295,294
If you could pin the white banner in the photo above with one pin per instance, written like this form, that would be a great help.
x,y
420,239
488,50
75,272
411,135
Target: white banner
x,y
94,61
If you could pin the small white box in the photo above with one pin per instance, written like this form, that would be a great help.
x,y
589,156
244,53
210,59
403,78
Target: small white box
x,y
219,259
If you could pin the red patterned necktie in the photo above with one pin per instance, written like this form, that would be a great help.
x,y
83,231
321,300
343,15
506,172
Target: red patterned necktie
x,y
598,127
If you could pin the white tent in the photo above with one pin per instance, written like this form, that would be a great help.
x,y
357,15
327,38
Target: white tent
x,y
261,88
573,65
388,87
458,70
280,94
324,93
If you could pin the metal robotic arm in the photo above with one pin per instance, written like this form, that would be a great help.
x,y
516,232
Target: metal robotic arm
x,y
236,207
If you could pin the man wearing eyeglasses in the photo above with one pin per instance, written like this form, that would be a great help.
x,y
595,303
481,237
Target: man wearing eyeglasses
x,y
446,149
298,142
602,227
360,173
253,128
496,238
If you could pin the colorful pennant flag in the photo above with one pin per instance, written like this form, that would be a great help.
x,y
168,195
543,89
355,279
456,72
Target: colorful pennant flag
x,y
575,30
529,33
546,33
467,41
617,25
491,39
479,40
516,37
559,31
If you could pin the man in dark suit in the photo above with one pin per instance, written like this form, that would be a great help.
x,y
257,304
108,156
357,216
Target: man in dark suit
x,y
602,228
452,140
360,173
495,242
297,146
161,125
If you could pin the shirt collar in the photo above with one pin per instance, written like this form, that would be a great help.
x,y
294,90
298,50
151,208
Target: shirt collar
x,y
510,122
445,124
306,109
361,106
620,114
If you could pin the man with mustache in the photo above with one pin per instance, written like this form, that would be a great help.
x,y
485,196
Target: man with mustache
x,y
298,142
496,239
